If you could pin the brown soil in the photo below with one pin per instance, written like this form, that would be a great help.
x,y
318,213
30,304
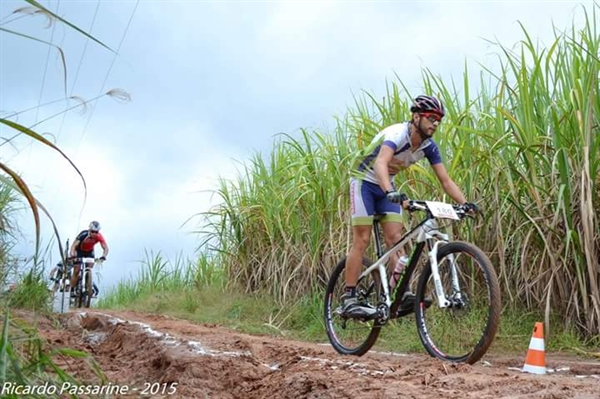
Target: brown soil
x,y
206,361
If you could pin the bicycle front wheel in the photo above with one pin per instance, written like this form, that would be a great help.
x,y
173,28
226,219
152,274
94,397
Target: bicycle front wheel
x,y
351,336
463,331
88,289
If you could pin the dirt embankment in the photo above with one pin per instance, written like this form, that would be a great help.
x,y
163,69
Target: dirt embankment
x,y
159,357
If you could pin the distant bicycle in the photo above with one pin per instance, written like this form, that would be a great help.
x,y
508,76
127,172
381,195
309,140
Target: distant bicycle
x,y
84,289
457,302
61,277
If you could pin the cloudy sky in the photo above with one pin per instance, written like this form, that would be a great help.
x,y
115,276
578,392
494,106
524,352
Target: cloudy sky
x,y
212,82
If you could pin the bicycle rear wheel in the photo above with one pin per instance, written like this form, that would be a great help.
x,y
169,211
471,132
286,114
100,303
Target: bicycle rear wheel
x,y
351,336
463,331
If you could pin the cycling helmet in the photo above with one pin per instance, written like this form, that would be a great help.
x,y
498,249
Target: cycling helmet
x,y
94,226
428,104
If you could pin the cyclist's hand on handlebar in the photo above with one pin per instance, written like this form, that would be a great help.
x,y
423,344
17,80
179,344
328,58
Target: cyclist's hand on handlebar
x,y
102,258
471,208
396,197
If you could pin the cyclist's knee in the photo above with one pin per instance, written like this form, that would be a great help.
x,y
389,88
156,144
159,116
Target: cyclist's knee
x,y
360,245
392,233
391,240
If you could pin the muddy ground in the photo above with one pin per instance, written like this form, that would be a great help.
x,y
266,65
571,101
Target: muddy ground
x,y
172,358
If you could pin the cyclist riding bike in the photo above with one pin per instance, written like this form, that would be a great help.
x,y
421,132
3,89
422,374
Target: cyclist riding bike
x,y
372,190
83,247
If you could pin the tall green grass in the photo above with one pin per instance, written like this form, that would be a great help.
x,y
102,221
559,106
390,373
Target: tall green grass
x,y
159,276
523,144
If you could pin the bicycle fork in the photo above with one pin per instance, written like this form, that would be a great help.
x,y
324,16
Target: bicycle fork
x,y
442,299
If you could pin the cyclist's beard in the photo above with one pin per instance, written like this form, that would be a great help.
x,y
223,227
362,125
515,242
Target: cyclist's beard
x,y
424,136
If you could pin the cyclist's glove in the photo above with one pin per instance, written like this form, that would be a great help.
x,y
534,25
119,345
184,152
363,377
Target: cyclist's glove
x,y
396,197
103,258
469,206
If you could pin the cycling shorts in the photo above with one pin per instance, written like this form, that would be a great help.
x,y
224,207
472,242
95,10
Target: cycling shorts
x,y
366,199
83,254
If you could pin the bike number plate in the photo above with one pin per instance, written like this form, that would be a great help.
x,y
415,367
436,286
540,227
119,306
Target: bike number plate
x,y
442,210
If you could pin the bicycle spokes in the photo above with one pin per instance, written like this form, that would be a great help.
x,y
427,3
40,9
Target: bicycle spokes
x,y
463,330
352,335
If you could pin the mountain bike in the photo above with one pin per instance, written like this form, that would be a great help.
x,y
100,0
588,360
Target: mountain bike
x,y
83,288
62,281
457,301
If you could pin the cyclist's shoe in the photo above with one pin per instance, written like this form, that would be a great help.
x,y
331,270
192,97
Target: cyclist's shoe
x,y
352,308
407,304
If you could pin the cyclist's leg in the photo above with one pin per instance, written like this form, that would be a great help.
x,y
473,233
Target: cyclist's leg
x,y
392,225
392,232
361,210
360,241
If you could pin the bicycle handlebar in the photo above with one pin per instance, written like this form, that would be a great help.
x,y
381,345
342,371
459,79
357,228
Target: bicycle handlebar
x,y
77,260
420,205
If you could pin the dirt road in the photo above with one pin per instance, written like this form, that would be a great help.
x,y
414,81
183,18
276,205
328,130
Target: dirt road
x,y
160,357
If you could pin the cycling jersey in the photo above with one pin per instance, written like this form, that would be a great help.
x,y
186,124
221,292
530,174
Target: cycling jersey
x,y
397,137
87,242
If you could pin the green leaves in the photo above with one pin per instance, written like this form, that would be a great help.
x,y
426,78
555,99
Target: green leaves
x,y
525,146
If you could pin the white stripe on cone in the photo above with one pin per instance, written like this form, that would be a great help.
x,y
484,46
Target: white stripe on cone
x,y
537,344
534,369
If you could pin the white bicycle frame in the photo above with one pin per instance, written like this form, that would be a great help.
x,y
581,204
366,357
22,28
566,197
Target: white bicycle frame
x,y
426,230
85,268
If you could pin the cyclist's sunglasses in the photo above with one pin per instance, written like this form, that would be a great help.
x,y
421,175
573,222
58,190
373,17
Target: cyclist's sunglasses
x,y
432,116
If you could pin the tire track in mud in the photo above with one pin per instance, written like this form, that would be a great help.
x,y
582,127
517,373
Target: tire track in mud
x,y
209,361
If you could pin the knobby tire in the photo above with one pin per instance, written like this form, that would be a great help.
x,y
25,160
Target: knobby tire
x,y
361,349
493,314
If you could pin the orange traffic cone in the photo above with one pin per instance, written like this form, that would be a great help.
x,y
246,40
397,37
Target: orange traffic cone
x,y
535,361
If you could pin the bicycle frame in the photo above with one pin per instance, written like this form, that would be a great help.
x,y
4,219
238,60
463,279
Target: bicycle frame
x,y
426,232
82,285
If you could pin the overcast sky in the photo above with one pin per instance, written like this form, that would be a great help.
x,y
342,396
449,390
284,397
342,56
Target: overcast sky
x,y
211,82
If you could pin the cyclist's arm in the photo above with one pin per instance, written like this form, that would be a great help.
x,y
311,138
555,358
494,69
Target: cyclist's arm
x,y
73,250
104,246
448,184
53,272
381,167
